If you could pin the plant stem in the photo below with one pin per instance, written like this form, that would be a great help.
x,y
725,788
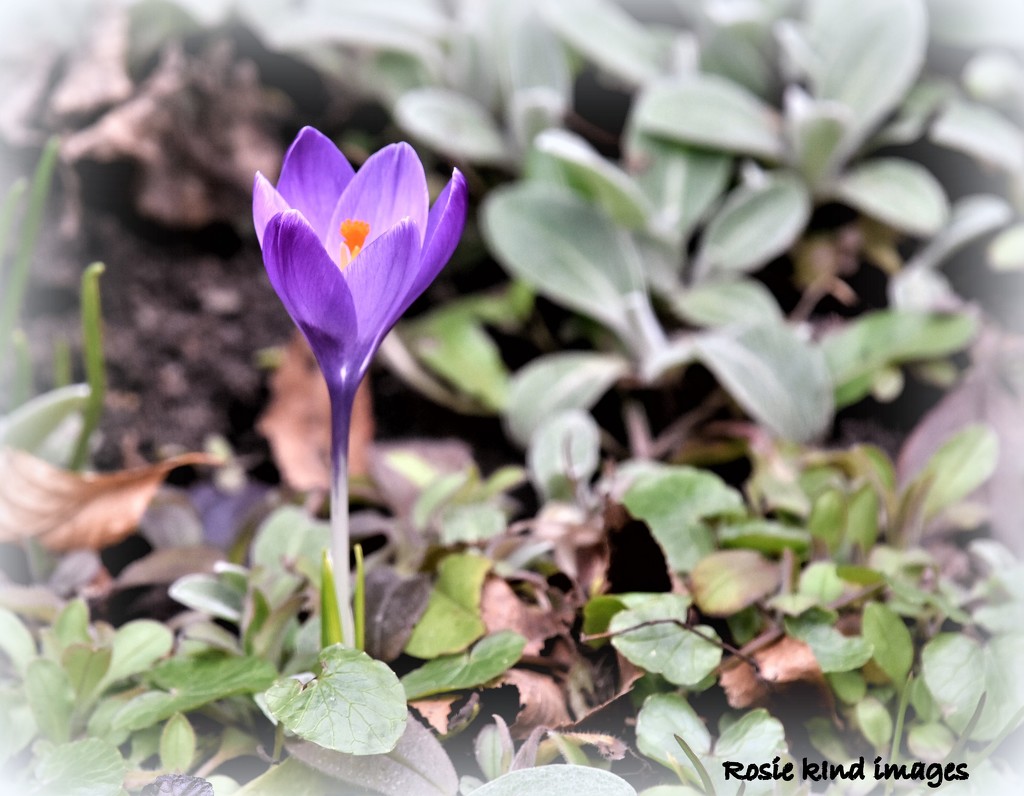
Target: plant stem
x,y
341,415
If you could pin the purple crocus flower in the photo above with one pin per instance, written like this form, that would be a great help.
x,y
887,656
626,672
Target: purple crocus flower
x,y
348,253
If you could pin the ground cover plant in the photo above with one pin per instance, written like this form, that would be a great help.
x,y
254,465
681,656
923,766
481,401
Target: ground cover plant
x,y
690,466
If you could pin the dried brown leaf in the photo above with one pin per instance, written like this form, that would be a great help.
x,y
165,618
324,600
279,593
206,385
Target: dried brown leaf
x,y
501,609
297,422
786,663
436,711
541,700
96,76
66,510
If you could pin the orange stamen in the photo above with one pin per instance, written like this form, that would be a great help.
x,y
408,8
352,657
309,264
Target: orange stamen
x,y
354,233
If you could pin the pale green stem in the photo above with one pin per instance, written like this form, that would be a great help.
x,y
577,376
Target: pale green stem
x,y
341,414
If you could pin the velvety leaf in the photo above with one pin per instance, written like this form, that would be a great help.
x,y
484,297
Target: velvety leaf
x,y
489,658
66,510
210,594
894,647
897,192
291,777
40,424
867,56
728,581
566,249
564,380
983,23
89,767
774,375
710,112
931,742
85,666
815,130
451,123
676,503
971,218
683,656
834,651
564,450
557,780
755,224
592,176
889,337
714,303
681,183
469,523
417,765
609,37
451,621
1006,251
981,132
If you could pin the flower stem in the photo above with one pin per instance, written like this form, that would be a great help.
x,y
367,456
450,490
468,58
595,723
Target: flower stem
x,y
341,413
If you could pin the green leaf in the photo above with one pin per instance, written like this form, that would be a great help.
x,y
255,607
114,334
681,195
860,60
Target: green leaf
x,y
963,463
816,130
755,736
981,23
980,132
51,698
136,646
417,765
287,537
490,657
712,303
90,767
566,249
86,666
676,503
765,536
550,384
710,112
471,522
210,594
897,192
894,647
451,621
565,450
177,744
190,683
755,224
662,717
684,656
834,651
291,777
609,37
354,705
16,641
931,742
592,176
867,56
945,662
874,721
775,376
72,624
820,580
728,581
452,123
452,342
885,338
681,183
557,780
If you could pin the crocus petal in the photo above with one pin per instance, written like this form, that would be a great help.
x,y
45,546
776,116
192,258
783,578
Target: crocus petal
x,y
444,228
314,292
390,186
266,203
379,279
313,177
